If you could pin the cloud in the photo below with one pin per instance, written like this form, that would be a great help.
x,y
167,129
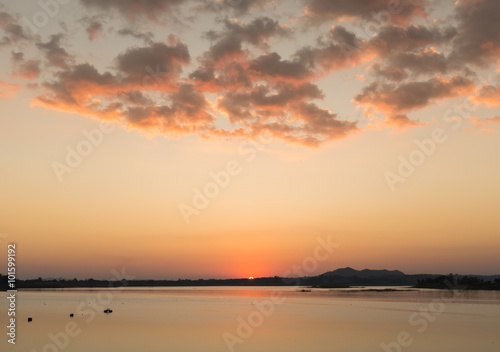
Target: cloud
x,y
392,99
228,43
424,62
187,113
231,76
237,7
478,40
483,122
74,89
12,31
55,54
261,87
28,69
129,93
138,70
94,30
262,102
257,31
134,9
321,125
489,95
8,90
263,94
391,40
285,112
155,65
337,50
224,65
401,121
274,67
400,12
147,37
388,72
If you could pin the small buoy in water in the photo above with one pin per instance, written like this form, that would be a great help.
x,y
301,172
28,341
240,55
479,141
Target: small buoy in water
x,y
71,315
30,319
107,311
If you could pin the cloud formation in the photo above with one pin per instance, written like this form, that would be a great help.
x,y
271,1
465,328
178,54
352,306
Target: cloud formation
x,y
252,67
390,98
55,54
399,11
489,95
134,9
478,39
28,69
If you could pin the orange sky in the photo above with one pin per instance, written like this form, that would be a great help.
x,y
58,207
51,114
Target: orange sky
x,y
228,143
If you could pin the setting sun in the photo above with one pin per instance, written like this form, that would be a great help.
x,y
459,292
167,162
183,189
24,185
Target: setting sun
x,y
250,278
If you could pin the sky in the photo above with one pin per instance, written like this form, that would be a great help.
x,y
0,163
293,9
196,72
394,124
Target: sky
x,y
203,138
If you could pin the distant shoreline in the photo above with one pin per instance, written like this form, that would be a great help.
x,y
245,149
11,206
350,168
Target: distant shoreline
x,y
340,278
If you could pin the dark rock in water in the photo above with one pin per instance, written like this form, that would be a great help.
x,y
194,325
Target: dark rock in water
x,y
107,311
71,315
30,319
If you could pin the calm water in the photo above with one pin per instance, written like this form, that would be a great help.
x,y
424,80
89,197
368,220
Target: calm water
x,y
243,319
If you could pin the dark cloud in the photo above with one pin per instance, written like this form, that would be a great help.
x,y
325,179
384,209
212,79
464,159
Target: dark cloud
x,y
55,54
133,9
136,97
94,30
380,11
227,48
388,72
12,31
337,50
323,125
263,88
285,111
228,43
157,64
394,39
427,61
242,105
236,7
94,25
231,76
187,113
257,31
408,96
478,41
28,69
147,37
152,68
73,86
274,67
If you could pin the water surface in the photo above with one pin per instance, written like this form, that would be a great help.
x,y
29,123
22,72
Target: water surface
x,y
247,319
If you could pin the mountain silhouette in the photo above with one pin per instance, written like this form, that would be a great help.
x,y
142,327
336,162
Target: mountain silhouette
x,y
365,273
352,276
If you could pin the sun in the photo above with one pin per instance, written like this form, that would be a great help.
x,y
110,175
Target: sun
x,y
250,278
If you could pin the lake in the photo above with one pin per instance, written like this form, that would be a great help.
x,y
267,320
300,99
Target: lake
x,y
254,319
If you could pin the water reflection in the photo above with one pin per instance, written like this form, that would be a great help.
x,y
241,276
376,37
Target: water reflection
x,y
196,319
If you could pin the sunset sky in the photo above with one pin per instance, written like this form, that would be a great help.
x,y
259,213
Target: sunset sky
x,y
204,138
